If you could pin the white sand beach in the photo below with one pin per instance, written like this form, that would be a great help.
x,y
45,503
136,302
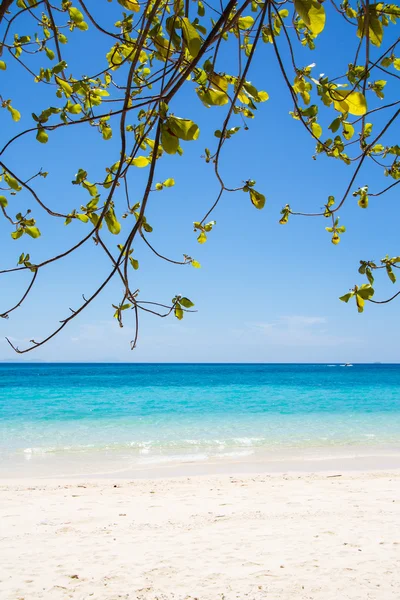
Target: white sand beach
x,y
295,536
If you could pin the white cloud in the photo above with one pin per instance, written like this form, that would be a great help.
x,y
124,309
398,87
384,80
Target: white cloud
x,y
301,330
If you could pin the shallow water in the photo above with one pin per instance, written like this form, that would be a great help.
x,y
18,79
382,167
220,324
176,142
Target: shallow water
x,y
156,413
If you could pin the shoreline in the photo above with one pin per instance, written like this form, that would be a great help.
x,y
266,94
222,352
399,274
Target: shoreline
x,y
125,465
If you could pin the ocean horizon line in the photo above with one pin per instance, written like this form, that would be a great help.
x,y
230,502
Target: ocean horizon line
x,y
107,362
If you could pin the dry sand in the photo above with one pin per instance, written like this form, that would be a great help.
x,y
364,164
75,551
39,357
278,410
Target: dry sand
x,y
275,537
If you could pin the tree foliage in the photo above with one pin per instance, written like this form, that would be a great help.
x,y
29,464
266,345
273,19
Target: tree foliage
x,y
157,49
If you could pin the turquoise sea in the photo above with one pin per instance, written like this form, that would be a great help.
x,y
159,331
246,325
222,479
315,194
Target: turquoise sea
x,y
151,413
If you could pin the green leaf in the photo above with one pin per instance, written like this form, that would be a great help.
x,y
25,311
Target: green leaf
x,y
191,37
3,201
16,115
42,136
32,231
334,126
148,228
370,277
3,65
312,13
257,199
186,302
111,220
346,297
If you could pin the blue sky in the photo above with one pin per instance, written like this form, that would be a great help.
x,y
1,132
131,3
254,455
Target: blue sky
x,y
265,292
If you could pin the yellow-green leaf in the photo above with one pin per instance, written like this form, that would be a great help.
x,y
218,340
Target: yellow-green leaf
x,y
134,263
257,199
81,217
16,115
169,142
169,182
178,312
375,27
202,238
3,201
191,37
3,65
184,129
140,161
263,96
50,54
212,97
132,5
316,129
32,231
106,132
42,136
75,15
348,131
65,86
111,220
245,22
352,102
312,13
186,302
196,264
82,25
12,182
